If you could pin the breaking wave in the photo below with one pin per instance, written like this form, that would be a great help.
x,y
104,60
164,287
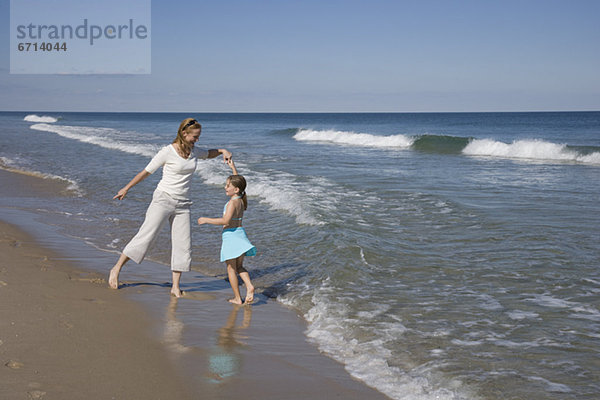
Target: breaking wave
x,y
43,119
354,139
532,150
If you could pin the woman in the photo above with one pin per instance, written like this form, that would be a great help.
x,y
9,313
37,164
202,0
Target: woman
x,y
170,202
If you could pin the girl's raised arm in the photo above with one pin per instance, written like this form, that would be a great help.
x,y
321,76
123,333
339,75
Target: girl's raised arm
x,y
232,166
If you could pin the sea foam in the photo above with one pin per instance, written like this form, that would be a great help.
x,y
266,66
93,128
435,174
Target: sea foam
x,y
36,118
98,137
367,360
295,198
528,150
354,139
17,167
538,150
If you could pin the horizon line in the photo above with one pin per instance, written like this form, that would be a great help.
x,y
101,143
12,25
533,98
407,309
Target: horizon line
x,y
298,112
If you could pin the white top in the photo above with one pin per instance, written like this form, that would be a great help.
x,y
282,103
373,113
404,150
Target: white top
x,y
177,171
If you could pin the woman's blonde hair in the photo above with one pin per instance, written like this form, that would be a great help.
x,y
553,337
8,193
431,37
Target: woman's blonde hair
x,y
238,181
186,124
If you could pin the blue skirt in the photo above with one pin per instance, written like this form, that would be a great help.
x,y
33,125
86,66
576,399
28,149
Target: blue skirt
x,y
236,243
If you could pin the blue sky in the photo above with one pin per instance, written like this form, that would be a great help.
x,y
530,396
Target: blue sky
x,y
341,56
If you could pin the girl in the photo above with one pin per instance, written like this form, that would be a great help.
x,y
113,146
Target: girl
x,y
170,202
235,242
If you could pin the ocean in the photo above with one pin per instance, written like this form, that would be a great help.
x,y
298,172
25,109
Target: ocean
x,y
435,255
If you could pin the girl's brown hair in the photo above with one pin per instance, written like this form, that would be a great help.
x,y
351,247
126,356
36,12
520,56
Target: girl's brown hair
x,y
239,182
186,124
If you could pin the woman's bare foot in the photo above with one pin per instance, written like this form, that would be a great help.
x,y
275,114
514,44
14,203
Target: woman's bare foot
x,y
236,301
249,295
175,291
113,279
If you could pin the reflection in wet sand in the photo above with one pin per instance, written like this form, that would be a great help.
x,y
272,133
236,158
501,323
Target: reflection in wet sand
x,y
174,330
224,360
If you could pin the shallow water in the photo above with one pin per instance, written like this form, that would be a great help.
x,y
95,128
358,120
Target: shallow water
x,y
435,255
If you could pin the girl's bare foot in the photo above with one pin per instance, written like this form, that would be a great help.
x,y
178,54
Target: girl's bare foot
x,y
249,295
236,301
113,279
176,292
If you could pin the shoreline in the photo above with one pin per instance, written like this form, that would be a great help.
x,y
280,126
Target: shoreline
x,y
210,347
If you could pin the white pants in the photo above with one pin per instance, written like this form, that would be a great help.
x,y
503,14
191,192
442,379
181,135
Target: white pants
x,y
164,208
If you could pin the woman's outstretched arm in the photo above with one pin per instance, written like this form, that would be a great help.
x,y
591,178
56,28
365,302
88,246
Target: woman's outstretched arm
x,y
136,179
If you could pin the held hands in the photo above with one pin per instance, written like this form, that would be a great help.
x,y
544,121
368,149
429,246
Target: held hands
x,y
226,156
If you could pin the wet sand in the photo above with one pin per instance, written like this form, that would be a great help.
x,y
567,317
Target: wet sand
x,y
65,335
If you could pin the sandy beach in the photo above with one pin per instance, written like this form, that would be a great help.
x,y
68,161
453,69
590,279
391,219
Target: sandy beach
x,y
65,335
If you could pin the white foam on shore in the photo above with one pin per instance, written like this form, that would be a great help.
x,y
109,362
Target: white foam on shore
x,y
11,165
36,118
354,139
367,360
536,150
